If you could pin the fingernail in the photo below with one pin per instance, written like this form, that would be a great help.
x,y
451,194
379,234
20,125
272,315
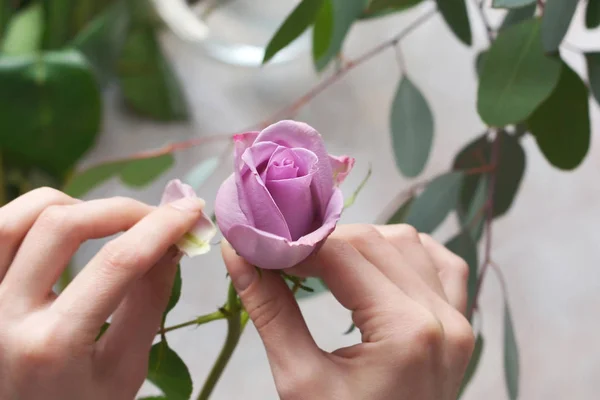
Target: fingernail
x,y
242,281
189,204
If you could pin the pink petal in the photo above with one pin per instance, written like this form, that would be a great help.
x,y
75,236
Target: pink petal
x,y
227,208
269,251
341,167
297,134
242,141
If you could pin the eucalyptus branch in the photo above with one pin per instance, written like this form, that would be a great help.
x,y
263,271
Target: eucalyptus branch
x,y
203,319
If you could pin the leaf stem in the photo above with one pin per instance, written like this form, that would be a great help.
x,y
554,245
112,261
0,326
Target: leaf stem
x,y
236,321
203,319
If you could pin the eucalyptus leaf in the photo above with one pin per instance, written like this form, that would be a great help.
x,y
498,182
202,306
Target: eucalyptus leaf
x,y
103,38
322,30
456,16
473,364
6,12
143,171
555,22
517,76
473,217
464,246
412,129
148,83
345,13
511,356
169,373
57,18
399,216
440,197
512,3
561,125
592,14
201,172
50,106
593,68
380,8
517,15
480,61
24,31
296,23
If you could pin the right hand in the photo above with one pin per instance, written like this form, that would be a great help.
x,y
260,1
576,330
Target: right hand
x,y
407,294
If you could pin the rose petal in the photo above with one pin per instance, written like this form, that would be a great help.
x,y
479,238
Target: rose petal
x,y
293,198
278,172
297,134
227,207
269,251
197,240
255,200
242,141
341,167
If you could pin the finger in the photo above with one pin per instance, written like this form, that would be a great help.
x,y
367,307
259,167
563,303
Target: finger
x,y
452,270
136,321
57,234
18,216
274,312
406,240
97,291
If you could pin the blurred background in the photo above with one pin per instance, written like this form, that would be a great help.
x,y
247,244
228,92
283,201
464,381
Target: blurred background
x,y
90,83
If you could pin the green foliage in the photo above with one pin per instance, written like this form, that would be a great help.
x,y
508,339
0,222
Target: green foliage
x,y
517,15
463,245
473,364
412,128
456,16
561,125
432,207
24,32
378,8
175,293
517,76
6,12
399,216
169,373
316,285
512,3
297,22
148,83
50,107
593,67
134,172
322,31
556,21
511,356
592,14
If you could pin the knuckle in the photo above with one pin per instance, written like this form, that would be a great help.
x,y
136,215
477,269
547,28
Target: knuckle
x,y
40,348
408,232
265,311
115,256
461,268
53,217
8,230
365,233
460,336
52,195
425,339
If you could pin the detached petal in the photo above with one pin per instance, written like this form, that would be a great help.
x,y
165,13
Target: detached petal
x,y
196,241
297,134
269,251
341,167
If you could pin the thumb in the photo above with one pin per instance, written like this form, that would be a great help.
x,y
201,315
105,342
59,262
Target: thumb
x,y
274,312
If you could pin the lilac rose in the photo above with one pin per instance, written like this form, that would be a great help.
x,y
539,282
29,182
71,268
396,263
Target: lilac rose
x,y
282,200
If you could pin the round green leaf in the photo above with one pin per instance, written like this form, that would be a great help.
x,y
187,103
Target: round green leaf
x,y
412,129
512,3
561,125
169,373
517,76
456,16
50,106
555,23
24,31
79,184
511,356
464,246
430,209
592,14
593,67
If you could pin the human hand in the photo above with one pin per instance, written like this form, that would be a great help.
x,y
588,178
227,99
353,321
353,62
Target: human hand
x,y
47,342
407,294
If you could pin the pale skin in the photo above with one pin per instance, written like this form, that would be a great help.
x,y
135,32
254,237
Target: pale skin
x,y
407,295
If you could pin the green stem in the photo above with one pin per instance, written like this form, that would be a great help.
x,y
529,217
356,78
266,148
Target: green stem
x,y
236,321
203,319
65,278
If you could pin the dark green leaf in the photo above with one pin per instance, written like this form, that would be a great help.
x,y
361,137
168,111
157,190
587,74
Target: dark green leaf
x,y
430,209
411,123
456,16
6,12
400,215
509,173
316,284
345,12
138,173
154,398
518,15
132,172
102,40
84,11
50,106
380,8
592,14
480,61
322,31
169,373
517,76
148,83
473,364
57,18
474,217
593,67
511,356
465,247
175,292
296,23
201,172
561,125
555,23
24,31
512,3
